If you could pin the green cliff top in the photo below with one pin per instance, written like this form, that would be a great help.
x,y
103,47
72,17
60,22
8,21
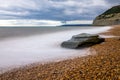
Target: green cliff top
x,y
115,9
109,17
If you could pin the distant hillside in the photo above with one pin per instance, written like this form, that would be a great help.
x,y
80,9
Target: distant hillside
x,y
74,25
109,17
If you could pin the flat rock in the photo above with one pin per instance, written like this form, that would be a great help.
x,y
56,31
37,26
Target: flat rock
x,y
82,40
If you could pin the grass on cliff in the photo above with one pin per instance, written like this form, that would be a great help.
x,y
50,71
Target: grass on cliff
x,y
115,9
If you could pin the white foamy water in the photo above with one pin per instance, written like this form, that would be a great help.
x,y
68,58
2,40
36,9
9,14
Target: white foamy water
x,y
24,50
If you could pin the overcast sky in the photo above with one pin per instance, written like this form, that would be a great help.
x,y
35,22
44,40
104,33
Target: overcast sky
x,y
54,9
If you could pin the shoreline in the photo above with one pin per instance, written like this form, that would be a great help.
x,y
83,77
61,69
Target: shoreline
x,y
40,48
103,65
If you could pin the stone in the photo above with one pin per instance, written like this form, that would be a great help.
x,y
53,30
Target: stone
x,y
82,40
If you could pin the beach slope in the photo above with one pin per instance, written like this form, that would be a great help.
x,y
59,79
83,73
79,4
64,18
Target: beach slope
x,y
104,64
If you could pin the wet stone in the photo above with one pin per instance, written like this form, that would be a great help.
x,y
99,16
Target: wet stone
x,y
82,40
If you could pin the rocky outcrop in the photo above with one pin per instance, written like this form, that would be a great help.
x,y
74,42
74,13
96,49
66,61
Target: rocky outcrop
x,y
82,40
110,17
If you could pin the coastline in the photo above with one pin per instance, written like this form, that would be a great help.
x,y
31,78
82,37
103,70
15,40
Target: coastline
x,y
104,64
39,47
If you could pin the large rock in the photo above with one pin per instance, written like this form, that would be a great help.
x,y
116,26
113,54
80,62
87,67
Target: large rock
x,y
82,40
109,17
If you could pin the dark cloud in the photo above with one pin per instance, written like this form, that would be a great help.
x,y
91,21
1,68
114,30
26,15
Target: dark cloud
x,y
113,1
54,9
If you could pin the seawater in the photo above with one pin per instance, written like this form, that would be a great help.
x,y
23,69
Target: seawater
x,y
6,32
22,46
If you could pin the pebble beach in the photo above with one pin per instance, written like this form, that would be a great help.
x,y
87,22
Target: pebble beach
x,y
104,64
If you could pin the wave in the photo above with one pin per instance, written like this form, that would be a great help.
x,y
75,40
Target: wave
x,y
41,48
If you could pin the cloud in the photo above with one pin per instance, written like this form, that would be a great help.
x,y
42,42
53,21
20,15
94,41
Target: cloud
x,y
19,13
79,22
53,9
113,1
14,4
30,23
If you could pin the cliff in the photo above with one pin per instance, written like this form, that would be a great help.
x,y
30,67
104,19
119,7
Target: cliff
x,y
109,17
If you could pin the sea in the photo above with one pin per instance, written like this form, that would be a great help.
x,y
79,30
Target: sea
x,y
20,46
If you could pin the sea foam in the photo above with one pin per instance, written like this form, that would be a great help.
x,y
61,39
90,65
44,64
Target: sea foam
x,y
19,51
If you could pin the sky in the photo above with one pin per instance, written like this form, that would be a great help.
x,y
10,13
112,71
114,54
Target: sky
x,y
56,10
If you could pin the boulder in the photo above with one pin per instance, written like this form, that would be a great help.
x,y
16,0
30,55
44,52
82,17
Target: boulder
x,y
82,40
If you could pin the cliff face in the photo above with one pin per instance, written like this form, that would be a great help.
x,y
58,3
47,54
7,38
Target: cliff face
x,y
110,17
